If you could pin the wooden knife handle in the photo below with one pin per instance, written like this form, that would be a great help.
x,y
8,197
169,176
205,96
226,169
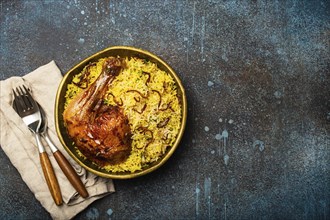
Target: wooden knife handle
x,y
51,179
71,174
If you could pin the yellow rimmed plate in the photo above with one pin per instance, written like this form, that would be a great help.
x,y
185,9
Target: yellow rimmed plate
x,y
122,51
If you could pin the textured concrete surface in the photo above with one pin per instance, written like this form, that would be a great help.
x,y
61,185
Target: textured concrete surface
x,y
257,79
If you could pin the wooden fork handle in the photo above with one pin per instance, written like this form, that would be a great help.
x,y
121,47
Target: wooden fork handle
x,y
70,173
51,179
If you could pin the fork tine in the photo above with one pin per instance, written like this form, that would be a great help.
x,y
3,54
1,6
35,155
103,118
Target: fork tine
x,y
15,95
23,102
19,90
29,102
29,97
25,90
15,101
20,101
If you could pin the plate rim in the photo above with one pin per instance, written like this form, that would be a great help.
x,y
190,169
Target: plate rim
x,y
127,175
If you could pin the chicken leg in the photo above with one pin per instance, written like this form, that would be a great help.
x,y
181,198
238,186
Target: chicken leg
x,y
101,132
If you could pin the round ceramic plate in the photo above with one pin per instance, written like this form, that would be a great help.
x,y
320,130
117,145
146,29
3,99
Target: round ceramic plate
x,y
123,52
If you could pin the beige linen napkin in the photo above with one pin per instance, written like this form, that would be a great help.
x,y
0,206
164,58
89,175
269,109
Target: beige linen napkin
x,y
20,147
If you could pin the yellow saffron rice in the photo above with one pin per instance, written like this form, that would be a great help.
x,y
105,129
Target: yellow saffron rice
x,y
149,99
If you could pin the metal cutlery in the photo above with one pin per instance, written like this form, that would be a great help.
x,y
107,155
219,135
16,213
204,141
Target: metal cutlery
x,y
28,110
64,164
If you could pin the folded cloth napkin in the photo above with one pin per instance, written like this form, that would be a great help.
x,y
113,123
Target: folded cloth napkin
x,y
19,145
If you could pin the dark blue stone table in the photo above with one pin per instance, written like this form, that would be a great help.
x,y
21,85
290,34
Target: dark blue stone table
x,y
257,80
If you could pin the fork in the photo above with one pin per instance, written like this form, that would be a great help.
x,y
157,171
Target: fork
x,y
28,110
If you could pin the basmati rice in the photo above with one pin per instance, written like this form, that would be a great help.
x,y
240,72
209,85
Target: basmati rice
x,y
149,98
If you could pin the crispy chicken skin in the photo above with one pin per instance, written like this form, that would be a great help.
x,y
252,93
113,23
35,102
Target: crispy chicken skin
x,y
101,132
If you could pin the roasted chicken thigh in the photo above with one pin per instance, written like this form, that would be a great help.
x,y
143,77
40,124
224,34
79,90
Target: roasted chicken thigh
x,y
101,132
